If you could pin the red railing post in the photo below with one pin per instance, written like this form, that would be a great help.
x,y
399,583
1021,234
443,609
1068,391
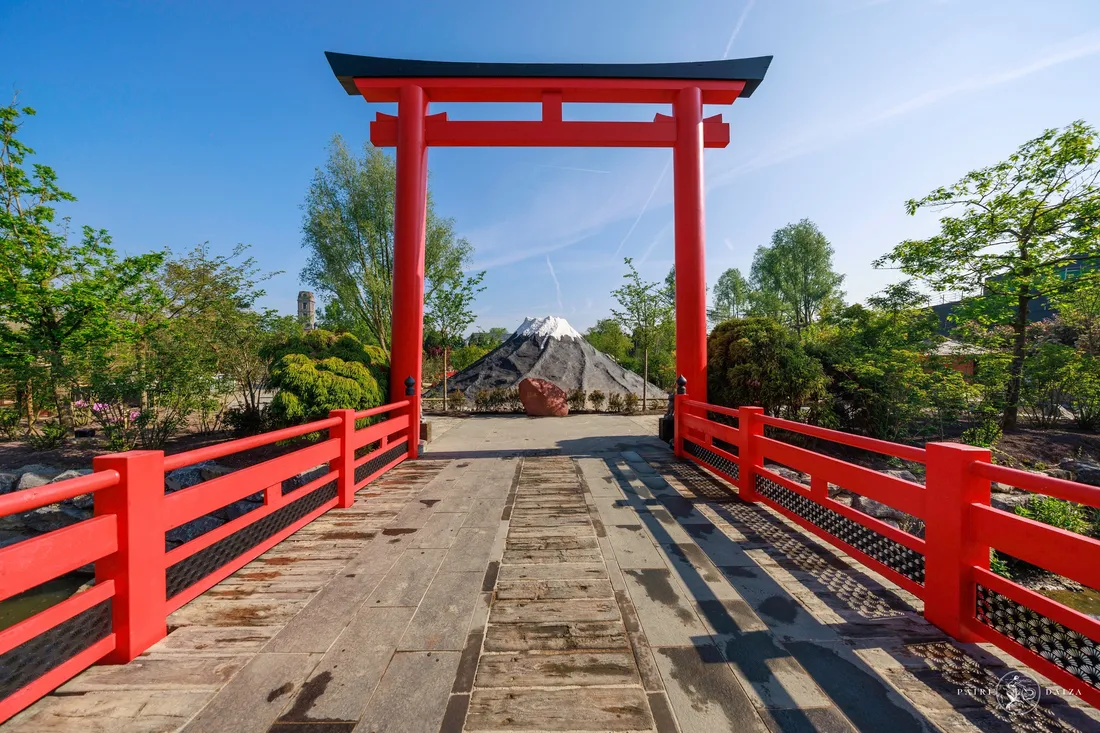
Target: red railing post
x,y
137,568
345,462
749,428
677,416
951,551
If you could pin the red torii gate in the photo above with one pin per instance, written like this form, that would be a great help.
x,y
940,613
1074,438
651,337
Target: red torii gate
x,y
414,84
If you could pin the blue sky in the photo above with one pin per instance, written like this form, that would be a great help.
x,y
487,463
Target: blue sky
x,y
177,123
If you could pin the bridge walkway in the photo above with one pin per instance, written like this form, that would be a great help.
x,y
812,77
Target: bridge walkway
x,y
553,575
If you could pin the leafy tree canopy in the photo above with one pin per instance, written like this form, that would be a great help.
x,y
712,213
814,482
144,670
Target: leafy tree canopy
x,y
758,361
348,230
1019,224
793,277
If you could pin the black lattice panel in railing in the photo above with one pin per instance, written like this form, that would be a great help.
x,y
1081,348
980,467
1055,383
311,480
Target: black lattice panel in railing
x,y
1075,653
712,459
364,470
894,555
35,657
191,570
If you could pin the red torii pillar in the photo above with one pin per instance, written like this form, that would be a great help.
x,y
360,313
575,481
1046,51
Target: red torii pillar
x,y
412,84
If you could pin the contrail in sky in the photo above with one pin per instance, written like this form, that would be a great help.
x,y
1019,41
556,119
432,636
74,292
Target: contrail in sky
x,y
645,205
571,168
557,285
737,28
729,45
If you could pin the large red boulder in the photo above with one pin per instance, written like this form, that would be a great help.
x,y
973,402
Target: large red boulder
x,y
542,398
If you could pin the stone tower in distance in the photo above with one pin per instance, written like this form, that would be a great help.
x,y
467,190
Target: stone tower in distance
x,y
306,310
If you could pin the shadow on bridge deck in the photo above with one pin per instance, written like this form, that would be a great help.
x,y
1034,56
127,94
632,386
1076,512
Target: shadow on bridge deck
x,y
550,575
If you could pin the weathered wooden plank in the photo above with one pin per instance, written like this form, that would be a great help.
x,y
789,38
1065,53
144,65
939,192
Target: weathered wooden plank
x,y
522,637
553,611
553,670
534,557
534,590
595,709
557,571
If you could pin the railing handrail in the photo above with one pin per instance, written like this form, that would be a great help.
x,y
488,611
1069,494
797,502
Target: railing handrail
x,y
382,409
884,447
139,583
1040,483
949,566
26,500
220,450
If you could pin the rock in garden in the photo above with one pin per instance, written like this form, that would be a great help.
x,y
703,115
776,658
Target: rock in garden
x,y
187,532
38,468
188,476
295,482
30,480
904,475
1059,473
71,473
788,473
210,470
542,398
877,509
1008,502
47,519
1084,471
7,481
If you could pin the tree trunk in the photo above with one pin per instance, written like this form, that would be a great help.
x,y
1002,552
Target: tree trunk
x,y
1016,368
63,403
445,350
645,376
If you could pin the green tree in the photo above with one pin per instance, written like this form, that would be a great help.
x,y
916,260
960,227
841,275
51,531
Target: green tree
x,y
758,361
490,339
449,311
57,297
794,276
320,371
884,379
731,296
607,336
643,307
348,231
1019,223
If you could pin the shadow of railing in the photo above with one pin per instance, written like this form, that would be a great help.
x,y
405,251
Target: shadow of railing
x,y
963,677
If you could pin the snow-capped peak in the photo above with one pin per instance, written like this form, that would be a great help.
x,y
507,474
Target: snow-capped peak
x,y
549,327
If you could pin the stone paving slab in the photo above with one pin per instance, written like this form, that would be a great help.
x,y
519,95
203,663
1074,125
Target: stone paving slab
x,y
496,585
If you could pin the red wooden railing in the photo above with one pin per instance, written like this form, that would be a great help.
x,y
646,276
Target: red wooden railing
x,y
949,566
138,583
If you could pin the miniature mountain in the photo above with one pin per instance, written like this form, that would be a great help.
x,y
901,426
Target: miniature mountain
x,y
548,348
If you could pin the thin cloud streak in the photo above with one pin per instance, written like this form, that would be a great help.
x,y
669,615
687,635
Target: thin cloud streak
x,y
814,139
645,206
571,168
737,28
656,240
557,285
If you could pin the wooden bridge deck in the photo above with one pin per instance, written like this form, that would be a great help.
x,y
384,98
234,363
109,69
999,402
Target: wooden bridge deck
x,y
563,575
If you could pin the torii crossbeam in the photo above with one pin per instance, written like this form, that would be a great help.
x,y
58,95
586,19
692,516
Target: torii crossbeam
x,y
414,84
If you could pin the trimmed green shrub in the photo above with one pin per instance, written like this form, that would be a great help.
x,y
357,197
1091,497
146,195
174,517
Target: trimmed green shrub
x,y
310,388
596,397
577,400
615,402
630,403
757,361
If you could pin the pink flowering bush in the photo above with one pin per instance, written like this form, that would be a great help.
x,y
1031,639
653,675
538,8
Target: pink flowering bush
x,y
121,424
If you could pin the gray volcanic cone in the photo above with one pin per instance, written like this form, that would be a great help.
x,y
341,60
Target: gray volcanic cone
x,y
551,349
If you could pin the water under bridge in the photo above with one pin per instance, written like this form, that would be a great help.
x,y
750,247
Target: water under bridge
x,y
555,574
